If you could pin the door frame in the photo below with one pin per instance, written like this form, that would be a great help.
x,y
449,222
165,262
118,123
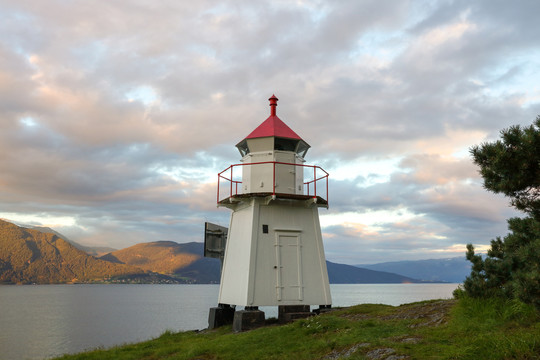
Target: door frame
x,y
279,265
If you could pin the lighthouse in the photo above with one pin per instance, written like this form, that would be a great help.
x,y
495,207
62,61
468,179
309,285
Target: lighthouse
x,y
273,253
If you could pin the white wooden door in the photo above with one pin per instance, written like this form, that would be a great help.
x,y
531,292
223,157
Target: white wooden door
x,y
289,266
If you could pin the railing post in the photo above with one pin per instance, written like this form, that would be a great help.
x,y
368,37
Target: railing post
x,y
274,179
326,189
230,191
314,181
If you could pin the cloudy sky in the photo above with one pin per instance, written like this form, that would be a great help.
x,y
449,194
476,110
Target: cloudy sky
x,y
116,116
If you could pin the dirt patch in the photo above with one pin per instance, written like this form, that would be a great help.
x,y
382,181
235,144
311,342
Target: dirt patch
x,y
431,314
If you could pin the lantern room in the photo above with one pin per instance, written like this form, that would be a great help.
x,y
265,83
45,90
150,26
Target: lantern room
x,y
276,149
273,164
273,135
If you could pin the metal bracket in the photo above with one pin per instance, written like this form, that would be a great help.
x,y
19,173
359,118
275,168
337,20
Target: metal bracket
x,y
230,203
268,199
310,202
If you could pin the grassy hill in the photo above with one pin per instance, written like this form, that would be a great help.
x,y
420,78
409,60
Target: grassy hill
x,y
32,256
440,329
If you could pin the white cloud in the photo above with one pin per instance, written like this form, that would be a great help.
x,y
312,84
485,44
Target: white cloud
x,y
372,220
40,219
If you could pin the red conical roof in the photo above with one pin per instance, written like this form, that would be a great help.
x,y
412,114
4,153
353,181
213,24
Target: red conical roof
x,y
273,126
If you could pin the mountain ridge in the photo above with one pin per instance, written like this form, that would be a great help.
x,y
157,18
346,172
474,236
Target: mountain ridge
x,y
164,257
34,256
454,269
91,250
348,274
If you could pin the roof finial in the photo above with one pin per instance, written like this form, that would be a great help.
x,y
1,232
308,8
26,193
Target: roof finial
x,y
273,104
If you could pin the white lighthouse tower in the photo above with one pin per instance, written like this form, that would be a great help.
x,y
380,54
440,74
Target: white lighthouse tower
x,y
274,253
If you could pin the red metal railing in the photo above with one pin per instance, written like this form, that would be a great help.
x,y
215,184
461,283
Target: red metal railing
x,y
319,176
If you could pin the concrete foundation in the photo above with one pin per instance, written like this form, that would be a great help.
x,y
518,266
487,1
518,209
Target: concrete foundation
x,y
287,313
323,309
248,319
220,316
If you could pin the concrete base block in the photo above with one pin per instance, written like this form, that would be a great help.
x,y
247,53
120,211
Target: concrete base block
x,y
287,313
323,309
220,316
294,316
248,319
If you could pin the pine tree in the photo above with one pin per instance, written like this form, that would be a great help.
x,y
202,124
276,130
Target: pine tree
x,y
511,166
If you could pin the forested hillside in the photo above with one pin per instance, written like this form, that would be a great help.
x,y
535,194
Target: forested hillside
x,y
164,257
31,256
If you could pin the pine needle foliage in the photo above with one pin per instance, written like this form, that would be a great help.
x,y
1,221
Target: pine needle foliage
x,y
511,166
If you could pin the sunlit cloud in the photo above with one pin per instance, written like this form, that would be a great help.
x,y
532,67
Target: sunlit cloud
x,y
442,35
455,142
373,220
459,248
42,219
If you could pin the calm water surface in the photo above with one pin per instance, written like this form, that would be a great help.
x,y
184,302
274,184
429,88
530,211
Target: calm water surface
x,y
42,321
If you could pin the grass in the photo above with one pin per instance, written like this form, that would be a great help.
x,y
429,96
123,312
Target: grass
x,y
489,329
440,329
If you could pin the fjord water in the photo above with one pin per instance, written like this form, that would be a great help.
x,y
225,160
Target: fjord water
x,y
42,321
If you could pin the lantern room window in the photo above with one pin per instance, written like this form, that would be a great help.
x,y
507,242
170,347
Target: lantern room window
x,y
302,148
299,147
243,148
285,144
